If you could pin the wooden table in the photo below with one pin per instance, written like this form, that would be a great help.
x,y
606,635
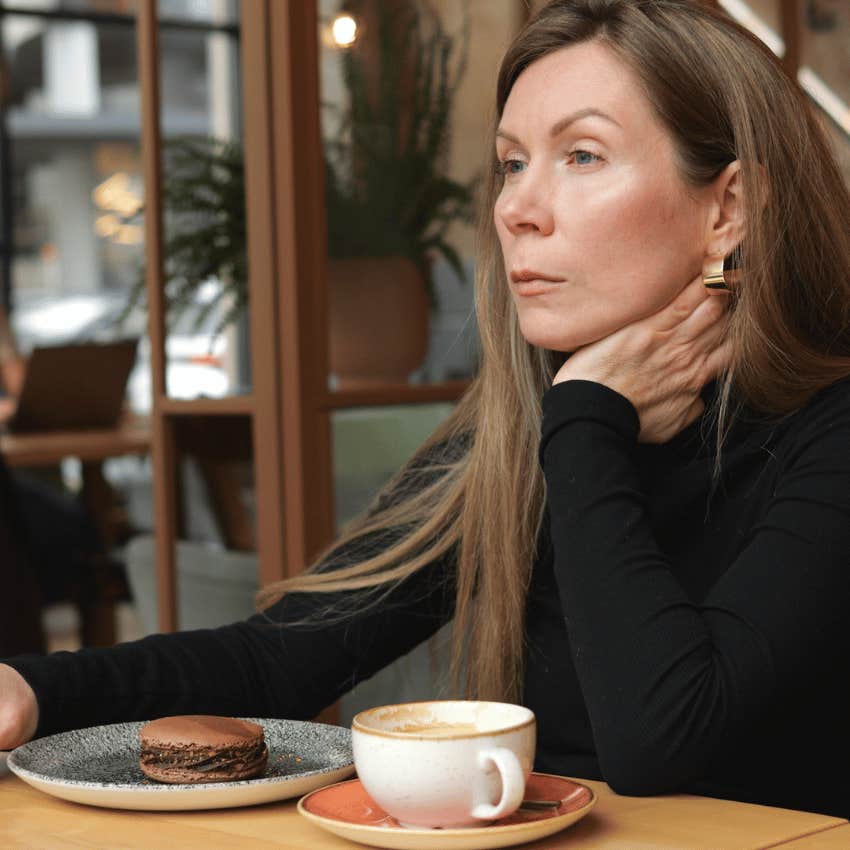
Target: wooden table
x,y
30,820
91,447
837,838
131,436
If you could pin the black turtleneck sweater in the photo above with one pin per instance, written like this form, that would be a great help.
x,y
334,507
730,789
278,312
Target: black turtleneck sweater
x,y
681,635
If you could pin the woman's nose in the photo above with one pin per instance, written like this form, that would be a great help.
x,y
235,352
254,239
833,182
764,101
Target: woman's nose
x,y
526,205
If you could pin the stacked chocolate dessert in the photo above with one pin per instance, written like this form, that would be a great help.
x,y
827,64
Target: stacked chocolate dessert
x,y
202,748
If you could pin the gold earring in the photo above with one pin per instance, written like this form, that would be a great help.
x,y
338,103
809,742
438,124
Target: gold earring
x,y
717,279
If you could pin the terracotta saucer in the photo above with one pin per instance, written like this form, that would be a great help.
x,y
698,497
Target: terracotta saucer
x,y
347,810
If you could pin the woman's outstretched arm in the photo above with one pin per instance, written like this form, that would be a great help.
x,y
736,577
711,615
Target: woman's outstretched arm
x,y
261,667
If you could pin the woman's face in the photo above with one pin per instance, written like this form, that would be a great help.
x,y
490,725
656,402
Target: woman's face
x,y
598,228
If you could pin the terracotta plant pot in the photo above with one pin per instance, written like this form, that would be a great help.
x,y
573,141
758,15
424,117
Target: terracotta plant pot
x,y
379,319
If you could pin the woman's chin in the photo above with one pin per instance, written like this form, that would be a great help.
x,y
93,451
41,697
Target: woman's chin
x,y
553,339
556,334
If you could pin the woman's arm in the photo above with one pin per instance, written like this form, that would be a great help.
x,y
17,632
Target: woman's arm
x,y
256,667
667,682
266,666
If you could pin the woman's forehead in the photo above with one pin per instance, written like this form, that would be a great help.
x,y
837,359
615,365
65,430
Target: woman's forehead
x,y
586,77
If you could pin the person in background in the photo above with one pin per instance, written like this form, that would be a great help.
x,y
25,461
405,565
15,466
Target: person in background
x,y
639,514
54,537
13,367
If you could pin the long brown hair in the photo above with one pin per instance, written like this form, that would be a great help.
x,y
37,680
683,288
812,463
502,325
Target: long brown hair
x,y
722,96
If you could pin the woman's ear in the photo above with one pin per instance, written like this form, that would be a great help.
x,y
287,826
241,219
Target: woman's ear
x,y
726,219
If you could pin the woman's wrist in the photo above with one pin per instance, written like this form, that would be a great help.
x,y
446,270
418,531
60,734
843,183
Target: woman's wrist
x,y
586,401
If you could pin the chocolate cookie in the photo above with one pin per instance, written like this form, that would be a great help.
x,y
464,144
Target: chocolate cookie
x,y
201,748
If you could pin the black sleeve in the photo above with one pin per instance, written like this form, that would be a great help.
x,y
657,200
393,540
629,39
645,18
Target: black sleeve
x,y
666,681
262,667
271,665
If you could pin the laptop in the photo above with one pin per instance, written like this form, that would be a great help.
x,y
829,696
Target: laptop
x,y
76,386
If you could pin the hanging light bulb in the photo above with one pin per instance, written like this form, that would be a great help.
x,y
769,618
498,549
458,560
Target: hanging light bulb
x,y
344,30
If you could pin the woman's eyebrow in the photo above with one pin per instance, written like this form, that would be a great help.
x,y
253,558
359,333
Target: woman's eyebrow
x,y
559,126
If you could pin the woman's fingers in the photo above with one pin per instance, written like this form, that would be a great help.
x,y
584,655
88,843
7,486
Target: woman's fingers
x,y
718,360
707,326
707,353
18,709
684,305
694,412
711,314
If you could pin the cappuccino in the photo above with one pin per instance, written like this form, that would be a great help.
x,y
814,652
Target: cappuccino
x,y
444,763
438,729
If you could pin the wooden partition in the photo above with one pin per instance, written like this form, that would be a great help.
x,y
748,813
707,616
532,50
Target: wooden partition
x,y
290,404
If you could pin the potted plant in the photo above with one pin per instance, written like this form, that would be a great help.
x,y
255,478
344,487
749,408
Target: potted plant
x,y
389,201
203,197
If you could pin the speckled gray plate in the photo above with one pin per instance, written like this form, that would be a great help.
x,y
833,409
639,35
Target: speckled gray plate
x,y
99,766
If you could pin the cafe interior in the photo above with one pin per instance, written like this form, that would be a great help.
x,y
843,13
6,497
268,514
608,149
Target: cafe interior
x,y
210,360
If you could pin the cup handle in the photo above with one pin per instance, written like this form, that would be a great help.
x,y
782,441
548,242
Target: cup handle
x,y
513,783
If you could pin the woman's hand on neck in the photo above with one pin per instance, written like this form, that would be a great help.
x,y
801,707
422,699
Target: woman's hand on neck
x,y
660,363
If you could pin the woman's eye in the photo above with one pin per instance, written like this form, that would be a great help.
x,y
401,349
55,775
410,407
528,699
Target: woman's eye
x,y
584,157
507,167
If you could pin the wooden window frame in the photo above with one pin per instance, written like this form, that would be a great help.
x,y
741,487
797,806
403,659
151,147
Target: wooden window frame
x,y
290,404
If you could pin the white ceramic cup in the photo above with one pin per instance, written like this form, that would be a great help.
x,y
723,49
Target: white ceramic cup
x,y
447,764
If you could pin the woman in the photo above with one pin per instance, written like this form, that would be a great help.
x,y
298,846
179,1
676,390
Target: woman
x,y
669,606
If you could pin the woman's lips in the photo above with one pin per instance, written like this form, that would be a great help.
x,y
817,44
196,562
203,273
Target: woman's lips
x,y
529,288
529,282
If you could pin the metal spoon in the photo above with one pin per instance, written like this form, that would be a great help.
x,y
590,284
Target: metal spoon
x,y
539,805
